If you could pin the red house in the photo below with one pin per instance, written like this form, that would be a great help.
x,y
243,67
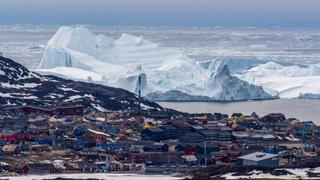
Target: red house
x,y
15,137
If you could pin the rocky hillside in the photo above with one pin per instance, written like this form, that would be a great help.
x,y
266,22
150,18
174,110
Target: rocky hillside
x,y
19,86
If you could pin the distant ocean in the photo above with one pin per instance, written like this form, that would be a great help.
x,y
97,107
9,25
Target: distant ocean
x,y
26,43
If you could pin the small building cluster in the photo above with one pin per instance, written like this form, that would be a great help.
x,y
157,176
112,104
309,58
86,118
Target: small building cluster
x,y
71,139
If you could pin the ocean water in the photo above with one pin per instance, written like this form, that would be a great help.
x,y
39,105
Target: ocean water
x,y
26,43
303,109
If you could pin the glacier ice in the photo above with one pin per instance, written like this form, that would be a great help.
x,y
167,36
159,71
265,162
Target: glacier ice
x,y
230,88
77,53
289,81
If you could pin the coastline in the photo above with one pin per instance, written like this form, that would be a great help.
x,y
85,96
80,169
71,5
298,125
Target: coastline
x,y
302,109
109,176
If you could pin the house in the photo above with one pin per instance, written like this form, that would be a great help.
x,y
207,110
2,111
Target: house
x,y
251,124
255,147
275,149
10,149
4,166
157,158
210,135
137,148
197,128
241,136
192,137
236,116
38,120
40,148
191,160
86,141
155,147
187,149
33,129
198,148
153,134
308,125
182,127
2,143
14,136
170,132
67,122
259,159
224,136
19,125
44,140
106,146
59,133
79,130
59,142
273,118
254,115
303,132
90,155
24,147
219,116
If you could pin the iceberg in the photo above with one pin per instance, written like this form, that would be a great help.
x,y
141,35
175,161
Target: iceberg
x,y
231,88
76,53
290,81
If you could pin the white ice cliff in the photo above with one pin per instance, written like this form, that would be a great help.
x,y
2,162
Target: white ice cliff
x,y
289,81
79,54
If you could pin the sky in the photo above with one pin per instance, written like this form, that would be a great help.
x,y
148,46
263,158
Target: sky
x,y
230,13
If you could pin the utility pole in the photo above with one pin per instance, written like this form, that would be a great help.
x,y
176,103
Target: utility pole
x,y
205,153
107,164
169,158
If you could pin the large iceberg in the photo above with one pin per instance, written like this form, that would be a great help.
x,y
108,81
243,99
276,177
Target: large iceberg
x,y
79,54
290,81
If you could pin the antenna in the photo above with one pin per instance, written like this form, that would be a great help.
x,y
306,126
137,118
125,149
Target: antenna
x,y
139,92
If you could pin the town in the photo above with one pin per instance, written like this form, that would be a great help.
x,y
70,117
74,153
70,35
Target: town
x,y
72,139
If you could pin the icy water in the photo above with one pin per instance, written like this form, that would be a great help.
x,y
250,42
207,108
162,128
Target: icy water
x,y
303,109
26,43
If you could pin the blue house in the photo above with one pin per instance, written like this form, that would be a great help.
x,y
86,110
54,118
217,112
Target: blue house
x,y
303,132
80,130
44,141
86,141
153,134
2,143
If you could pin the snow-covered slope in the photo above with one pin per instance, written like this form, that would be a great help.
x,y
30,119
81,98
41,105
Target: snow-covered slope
x,y
290,81
76,53
19,86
